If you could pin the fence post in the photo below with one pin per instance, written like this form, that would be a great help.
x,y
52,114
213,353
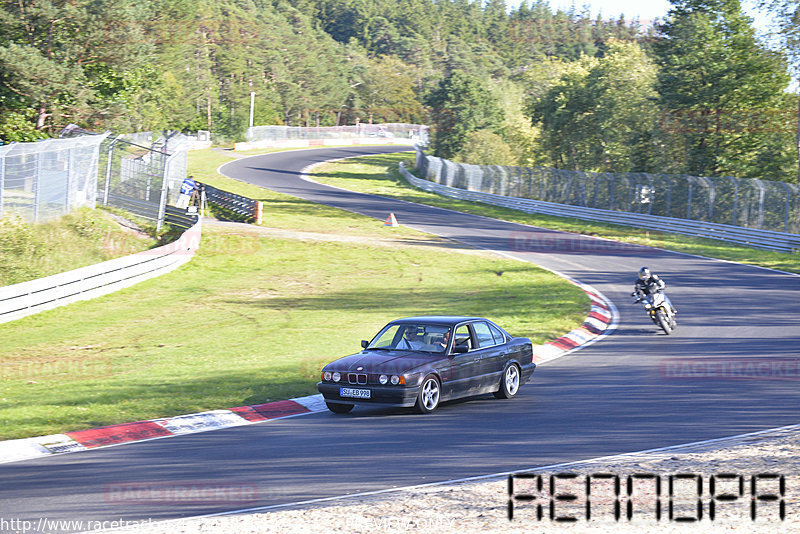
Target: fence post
x,y
36,189
735,209
69,180
669,197
108,170
2,180
689,200
612,185
162,203
787,205
761,193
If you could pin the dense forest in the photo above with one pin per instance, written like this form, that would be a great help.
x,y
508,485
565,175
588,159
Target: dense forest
x,y
697,93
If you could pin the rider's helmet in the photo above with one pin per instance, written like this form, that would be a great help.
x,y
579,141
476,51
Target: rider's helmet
x,y
644,273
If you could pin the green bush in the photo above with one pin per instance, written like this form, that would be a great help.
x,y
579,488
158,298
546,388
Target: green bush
x,y
483,147
84,237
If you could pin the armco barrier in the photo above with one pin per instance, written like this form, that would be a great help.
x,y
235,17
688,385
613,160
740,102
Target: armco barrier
x,y
246,207
150,210
763,239
28,298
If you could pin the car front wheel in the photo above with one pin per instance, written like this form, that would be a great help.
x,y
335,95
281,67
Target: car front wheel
x,y
509,383
429,393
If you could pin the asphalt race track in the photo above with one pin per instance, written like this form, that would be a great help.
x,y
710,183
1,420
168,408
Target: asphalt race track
x,y
626,393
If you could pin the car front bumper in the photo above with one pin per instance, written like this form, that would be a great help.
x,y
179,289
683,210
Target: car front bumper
x,y
404,396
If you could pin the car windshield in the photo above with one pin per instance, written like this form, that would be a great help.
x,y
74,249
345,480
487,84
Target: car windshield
x,y
416,337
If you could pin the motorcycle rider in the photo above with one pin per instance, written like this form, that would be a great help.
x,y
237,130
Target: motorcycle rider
x,y
648,283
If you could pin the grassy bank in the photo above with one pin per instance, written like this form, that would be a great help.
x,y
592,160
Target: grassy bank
x,y
85,237
254,316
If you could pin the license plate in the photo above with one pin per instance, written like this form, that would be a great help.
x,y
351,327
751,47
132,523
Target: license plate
x,y
354,393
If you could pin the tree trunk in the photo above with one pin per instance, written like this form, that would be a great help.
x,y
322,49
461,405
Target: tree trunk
x,y
41,116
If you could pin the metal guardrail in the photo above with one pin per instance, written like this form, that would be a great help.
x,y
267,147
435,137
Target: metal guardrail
x,y
142,208
246,207
150,210
179,217
28,298
762,239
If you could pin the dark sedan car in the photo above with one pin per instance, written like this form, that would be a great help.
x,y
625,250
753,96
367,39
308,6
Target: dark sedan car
x,y
421,361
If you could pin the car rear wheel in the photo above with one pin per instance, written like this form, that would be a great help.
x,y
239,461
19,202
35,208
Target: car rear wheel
x,y
335,407
509,383
429,393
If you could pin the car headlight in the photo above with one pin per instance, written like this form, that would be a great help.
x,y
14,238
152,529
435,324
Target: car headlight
x,y
326,376
396,380
337,377
383,379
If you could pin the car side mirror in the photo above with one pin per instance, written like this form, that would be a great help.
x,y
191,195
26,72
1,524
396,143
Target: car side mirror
x,y
364,343
460,349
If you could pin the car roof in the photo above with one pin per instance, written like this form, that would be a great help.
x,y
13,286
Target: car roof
x,y
449,320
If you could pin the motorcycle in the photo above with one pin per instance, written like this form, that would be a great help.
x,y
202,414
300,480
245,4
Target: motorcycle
x,y
655,304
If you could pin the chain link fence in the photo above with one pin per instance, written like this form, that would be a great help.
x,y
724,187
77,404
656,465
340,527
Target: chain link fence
x,y
748,203
414,132
47,179
143,175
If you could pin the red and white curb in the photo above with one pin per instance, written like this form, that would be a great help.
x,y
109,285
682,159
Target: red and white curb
x,y
81,440
600,322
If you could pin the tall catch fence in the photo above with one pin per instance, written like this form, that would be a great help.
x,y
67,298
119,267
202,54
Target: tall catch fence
x,y
413,132
742,202
142,175
47,179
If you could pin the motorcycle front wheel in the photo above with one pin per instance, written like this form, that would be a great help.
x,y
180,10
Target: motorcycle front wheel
x,y
663,322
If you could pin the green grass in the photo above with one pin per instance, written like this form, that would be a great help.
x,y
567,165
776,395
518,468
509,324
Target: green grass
x,y
85,237
254,316
352,174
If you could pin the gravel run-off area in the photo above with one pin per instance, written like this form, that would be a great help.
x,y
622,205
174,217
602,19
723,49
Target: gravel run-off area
x,y
770,459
